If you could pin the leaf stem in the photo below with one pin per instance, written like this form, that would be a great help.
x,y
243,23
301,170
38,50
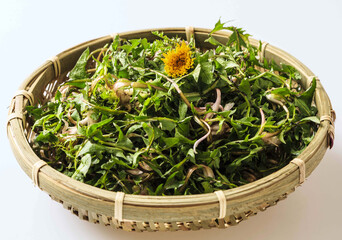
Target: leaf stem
x,y
116,146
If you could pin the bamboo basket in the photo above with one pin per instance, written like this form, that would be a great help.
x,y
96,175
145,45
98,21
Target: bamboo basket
x,y
160,213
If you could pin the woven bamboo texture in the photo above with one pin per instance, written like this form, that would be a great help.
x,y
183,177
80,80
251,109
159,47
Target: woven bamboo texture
x,y
159,213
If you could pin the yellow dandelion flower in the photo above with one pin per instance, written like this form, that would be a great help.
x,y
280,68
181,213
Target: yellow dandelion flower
x,y
178,61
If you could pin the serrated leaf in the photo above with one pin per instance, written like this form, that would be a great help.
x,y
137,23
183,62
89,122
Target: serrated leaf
x,y
79,71
206,73
303,107
46,136
307,96
123,141
182,110
94,127
227,64
245,87
167,125
314,119
213,41
83,168
281,91
170,141
196,72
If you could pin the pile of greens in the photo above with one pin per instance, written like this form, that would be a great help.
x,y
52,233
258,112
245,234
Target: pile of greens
x,y
166,118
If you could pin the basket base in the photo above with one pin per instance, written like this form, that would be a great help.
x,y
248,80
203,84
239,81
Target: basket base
x,y
133,226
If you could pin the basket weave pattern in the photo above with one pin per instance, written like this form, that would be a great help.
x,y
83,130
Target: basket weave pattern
x,y
157,213
152,226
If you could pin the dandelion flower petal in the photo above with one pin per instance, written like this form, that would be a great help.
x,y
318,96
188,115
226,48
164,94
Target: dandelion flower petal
x,y
178,61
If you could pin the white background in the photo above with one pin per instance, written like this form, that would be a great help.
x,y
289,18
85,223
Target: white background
x,y
33,31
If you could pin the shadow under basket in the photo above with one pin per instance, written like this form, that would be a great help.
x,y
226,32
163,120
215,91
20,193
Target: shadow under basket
x,y
160,213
